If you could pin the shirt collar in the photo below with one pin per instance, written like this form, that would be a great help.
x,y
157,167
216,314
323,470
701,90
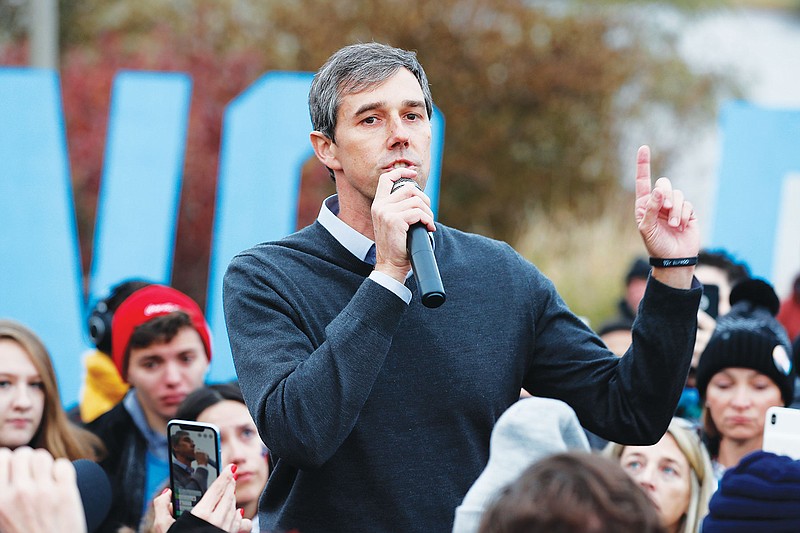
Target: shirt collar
x,y
156,442
356,243
187,469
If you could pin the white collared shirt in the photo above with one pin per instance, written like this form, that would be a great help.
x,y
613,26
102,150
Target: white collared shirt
x,y
357,244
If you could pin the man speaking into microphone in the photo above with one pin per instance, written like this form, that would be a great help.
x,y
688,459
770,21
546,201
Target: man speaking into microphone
x,y
378,409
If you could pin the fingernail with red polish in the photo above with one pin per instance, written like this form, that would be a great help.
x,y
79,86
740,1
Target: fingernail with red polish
x,y
165,490
241,511
233,468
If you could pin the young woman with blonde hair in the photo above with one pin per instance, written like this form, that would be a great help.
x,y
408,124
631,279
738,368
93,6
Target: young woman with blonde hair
x,y
676,474
30,405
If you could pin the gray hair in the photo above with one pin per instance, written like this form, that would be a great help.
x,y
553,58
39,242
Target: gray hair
x,y
353,69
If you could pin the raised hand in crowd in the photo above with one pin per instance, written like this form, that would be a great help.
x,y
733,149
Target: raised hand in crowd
x,y
666,223
216,510
39,494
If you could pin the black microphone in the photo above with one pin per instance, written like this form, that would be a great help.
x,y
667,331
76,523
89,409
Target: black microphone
x,y
423,262
95,489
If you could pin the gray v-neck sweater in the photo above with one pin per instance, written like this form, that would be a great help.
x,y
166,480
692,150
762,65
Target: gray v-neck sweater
x,y
379,414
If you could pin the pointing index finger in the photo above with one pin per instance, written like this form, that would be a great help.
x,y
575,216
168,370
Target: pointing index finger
x,y
643,185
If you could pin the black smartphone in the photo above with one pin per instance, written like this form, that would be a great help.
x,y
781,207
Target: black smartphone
x,y
194,462
709,302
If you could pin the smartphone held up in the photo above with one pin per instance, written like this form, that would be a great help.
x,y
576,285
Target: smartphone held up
x,y
194,454
709,302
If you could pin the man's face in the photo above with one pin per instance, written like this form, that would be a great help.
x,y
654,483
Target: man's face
x,y
377,130
184,449
165,373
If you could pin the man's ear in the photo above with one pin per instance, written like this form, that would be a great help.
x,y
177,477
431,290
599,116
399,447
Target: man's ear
x,y
325,150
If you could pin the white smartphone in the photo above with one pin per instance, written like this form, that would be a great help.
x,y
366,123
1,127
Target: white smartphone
x,y
194,462
782,432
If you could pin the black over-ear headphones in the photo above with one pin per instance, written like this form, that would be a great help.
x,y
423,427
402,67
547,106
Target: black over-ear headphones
x,y
103,313
100,326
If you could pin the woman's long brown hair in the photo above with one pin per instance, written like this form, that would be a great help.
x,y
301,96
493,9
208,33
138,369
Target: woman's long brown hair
x,y
56,433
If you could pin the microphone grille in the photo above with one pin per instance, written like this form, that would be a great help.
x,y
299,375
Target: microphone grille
x,y
402,181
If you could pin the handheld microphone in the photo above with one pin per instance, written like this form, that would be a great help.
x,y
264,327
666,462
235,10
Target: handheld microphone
x,y
423,262
95,490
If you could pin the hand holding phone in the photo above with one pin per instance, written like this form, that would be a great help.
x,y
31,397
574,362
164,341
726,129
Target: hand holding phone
x,y
217,507
194,453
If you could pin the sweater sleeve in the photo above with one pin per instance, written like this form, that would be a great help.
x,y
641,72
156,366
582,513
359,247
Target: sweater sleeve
x,y
189,523
629,399
305,376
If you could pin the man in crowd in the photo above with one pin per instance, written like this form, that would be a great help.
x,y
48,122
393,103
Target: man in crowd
x,y
161,347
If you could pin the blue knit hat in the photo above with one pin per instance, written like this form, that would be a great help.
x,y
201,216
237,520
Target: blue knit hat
x,y
750,337
761,493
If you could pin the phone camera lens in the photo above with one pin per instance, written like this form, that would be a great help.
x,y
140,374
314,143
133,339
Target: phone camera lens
x,y
773,419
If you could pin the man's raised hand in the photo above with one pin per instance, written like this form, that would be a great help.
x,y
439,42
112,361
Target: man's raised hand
x,y
666,222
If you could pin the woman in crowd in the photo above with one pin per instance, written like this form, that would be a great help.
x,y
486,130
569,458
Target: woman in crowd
x,y
30,406
745,369
215,512
241,447
675,473
571,492
223,406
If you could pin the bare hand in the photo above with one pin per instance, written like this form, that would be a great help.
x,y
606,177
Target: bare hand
x,y
666,222
217,507
392,215
39,494
201,458
162,512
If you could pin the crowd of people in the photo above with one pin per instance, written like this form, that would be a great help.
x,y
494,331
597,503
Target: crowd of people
x,y
358,408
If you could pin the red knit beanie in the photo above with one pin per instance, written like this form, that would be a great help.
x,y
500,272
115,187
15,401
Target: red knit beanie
x,y
146,304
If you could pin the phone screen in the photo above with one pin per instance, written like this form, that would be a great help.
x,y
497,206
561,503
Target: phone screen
x,y
194,450
709,302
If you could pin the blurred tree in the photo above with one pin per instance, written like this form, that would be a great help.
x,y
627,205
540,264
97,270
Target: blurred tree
x,y
538,96
12,21
536,99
